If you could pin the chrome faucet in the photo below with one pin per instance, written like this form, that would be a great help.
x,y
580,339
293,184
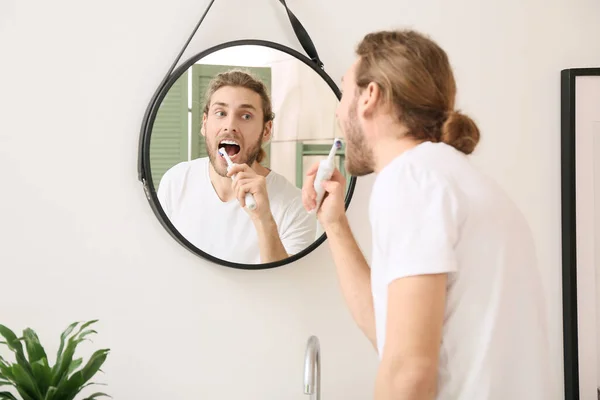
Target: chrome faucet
x,y
312,368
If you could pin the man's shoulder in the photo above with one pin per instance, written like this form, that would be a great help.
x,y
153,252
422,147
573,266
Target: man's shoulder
x,y
427,167
279,186
294,222
408,175
183,168
284,196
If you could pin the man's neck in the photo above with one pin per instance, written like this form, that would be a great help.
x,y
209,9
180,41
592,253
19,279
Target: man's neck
x,y
389,149
223,184
391,144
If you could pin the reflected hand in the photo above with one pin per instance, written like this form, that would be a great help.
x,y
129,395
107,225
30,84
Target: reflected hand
x,y
248,181
332,208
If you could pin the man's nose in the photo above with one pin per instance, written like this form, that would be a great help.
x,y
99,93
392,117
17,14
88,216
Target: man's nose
x,y
230,125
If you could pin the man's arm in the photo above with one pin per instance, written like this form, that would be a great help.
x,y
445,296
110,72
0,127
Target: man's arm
x,y
418,224
353,271
269,243
415,315
297,232
248,181
354,276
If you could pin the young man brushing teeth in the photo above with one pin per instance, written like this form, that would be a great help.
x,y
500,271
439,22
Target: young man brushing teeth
x,y
208,208
453,298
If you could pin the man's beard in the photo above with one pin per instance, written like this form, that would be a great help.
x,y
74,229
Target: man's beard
x,y
359,157
251,153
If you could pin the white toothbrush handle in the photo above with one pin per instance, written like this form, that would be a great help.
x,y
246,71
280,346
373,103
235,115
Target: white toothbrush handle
x,y
323,173
250,202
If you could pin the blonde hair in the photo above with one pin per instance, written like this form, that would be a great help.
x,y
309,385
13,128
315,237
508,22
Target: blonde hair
x,y
415,78
240,78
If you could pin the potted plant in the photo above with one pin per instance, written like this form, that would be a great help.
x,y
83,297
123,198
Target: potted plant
x,y
34,378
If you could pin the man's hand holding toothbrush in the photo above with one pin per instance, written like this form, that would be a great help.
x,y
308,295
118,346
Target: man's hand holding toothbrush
x,y
248,181
332,210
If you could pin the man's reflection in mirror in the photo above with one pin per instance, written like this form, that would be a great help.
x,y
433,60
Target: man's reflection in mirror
x,y
205,204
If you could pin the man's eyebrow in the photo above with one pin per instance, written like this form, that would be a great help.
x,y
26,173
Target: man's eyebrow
x,y
220,103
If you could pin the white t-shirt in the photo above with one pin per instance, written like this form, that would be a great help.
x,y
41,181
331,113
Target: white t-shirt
x,y
432,212
224,229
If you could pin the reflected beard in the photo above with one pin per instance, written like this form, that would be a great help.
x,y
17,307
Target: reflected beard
x,y
359,157
251,155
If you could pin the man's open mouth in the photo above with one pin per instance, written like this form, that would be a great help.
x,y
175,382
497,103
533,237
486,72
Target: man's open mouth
x,y
231,147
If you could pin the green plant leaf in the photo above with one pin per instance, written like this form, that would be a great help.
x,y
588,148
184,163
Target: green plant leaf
x,y
93,365
7,334
5,370
50,393
24,395
74,365
35,351
96,395
76,382
91,384
63,338
14,344
61,368
33,377
25,384
82,327
42,374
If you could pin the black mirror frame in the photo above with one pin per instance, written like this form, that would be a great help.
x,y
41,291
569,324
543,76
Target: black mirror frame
x,y
144,167
569,229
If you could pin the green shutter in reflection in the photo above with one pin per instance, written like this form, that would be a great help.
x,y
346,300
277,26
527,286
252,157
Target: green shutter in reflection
x,y
201,76
169,139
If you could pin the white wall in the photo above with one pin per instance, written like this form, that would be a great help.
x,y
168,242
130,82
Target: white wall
x,y
80,241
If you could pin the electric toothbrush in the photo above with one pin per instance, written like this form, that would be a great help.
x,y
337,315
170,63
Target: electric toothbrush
x,y
326,168
250,202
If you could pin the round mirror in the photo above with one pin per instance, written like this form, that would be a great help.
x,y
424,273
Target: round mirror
x,y
268,110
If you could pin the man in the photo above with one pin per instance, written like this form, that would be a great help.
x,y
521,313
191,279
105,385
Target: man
x,y
208,208
453,300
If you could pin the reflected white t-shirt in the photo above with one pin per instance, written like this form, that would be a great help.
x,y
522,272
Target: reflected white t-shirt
x,y
224,229
432,212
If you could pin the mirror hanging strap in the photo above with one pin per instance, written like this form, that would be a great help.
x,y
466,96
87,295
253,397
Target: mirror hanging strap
x,y
301,34
299,30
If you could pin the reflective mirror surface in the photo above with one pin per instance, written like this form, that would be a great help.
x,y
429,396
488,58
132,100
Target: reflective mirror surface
x,y
274,115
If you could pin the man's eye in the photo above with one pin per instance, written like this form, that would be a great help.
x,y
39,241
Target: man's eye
x,y
220,113
246,116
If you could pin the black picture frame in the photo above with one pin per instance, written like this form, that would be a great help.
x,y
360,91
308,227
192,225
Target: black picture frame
x,y
144,151
569,229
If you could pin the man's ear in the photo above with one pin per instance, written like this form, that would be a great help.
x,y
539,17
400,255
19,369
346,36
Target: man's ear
x,y
369,99
203,128
267,131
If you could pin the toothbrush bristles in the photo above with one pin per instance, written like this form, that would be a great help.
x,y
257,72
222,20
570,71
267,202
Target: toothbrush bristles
x,y
337,144
224,154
